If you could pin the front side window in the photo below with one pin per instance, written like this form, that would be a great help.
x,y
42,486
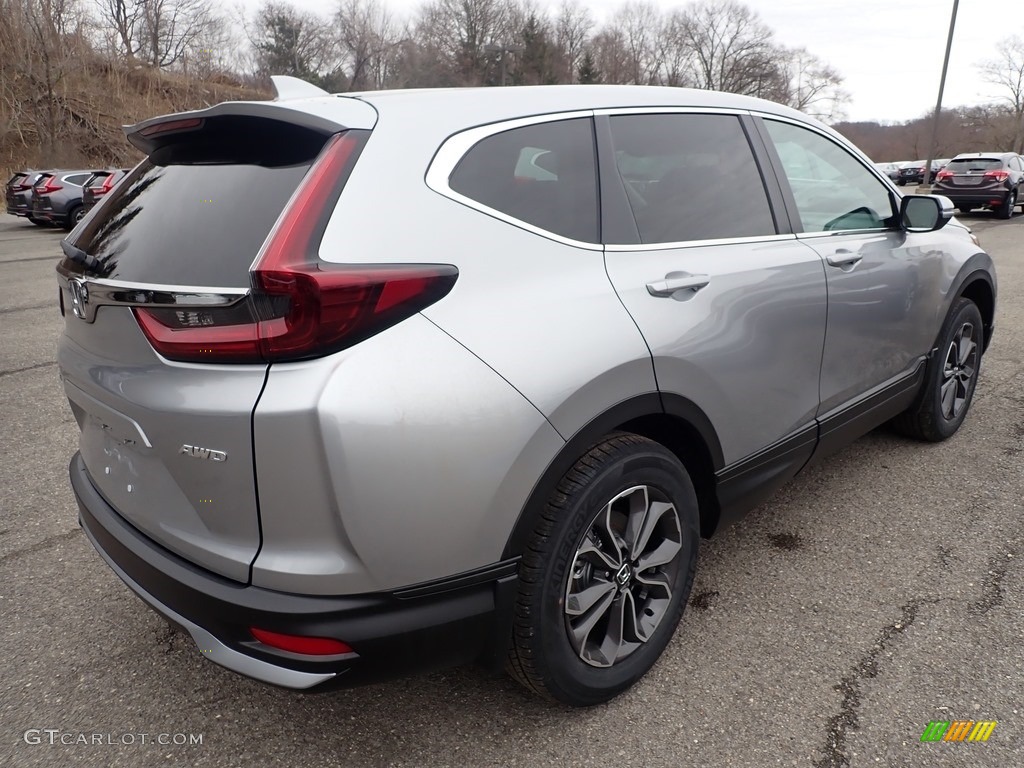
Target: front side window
x,y
833,190
690,177
543,174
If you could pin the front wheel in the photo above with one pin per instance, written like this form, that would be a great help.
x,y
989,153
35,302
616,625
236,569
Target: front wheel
x,y
951,377
606,573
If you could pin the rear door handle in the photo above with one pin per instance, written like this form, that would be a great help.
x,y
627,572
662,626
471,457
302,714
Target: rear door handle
x,y
844,259
677,281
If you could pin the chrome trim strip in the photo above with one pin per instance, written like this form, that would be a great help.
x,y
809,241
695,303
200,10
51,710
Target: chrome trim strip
x,y
845,233
456,146
620,248
661,110
98,292
214,649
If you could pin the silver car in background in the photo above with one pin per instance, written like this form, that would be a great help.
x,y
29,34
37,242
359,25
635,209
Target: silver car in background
x,y
379,383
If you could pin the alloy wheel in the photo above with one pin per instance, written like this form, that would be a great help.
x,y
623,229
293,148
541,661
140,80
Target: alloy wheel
x,y
619,586
958,372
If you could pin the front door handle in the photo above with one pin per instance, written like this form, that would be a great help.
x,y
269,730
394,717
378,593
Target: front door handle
x,y
844,259
677,281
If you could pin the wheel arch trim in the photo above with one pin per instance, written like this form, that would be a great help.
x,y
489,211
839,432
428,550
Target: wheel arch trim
x,y
646,405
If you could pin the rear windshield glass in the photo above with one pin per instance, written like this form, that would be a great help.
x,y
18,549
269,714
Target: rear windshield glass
x,y
97,180
974,164
198,225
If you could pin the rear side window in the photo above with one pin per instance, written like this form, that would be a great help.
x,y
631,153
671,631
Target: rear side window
x,y
690,177
544,175
77,179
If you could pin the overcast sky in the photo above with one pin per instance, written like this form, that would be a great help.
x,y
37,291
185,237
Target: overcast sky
x,y
889,51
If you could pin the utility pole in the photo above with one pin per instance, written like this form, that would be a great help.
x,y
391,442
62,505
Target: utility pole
x,y
926,186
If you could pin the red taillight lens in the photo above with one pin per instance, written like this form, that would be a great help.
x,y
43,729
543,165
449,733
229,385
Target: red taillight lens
x,y
108,184
302,307
50,186
943,175
308,646
997,175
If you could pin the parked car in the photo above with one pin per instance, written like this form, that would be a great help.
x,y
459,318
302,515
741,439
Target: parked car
x,y
892,170
18,195
98,185
352,408
913,172
57,197
989,180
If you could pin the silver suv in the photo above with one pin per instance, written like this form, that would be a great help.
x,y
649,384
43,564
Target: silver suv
x,y
378,383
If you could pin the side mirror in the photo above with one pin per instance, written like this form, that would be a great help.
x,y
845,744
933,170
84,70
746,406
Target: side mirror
x,y
925,213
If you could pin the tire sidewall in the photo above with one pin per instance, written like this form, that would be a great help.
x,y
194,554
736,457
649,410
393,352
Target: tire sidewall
x,y
568,676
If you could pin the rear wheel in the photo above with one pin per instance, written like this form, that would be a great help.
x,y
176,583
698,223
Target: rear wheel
x,y
950,379
74,216
1005,210
606,573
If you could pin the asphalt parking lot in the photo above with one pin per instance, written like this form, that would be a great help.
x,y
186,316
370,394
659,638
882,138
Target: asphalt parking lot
x,y
879,591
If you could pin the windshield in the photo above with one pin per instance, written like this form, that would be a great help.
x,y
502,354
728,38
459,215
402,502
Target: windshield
x,y
975,164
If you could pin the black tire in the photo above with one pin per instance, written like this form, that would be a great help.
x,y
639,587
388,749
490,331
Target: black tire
x,y
1005,211
74,216
964,208
929,418
541,656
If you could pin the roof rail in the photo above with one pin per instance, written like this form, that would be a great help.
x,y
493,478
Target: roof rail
x,y
288,87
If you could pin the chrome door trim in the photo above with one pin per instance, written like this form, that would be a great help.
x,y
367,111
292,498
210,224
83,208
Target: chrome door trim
x,y
627,248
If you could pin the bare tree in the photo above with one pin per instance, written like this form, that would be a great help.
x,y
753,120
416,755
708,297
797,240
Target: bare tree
x,y
288,41
1007,72
732,48
123,21
367,39
573,26
170,27
640,25
460,30
814,87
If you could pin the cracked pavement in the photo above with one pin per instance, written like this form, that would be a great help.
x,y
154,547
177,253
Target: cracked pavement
x,y
879,591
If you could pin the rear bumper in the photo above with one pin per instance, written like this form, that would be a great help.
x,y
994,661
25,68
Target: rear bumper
x,y
428,626
974,197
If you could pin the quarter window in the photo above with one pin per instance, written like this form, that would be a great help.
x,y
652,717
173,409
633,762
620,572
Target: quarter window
x,y
543,174
690,177
833,190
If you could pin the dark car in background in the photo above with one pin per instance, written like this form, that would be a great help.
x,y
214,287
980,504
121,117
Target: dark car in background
x,y
892,170
57,197
98,185
913,172
18,195
983,180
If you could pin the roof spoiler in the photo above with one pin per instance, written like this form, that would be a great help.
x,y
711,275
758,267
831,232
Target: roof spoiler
x,y
287,87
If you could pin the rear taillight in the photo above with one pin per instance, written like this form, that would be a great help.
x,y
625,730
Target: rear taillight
x,y
108,184
997,175
50,186
943,175
301,307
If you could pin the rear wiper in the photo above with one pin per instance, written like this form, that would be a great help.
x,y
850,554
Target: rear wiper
x,y
77,255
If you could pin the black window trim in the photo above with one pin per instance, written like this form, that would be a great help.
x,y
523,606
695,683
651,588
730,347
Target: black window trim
x,y
455,147
895,195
